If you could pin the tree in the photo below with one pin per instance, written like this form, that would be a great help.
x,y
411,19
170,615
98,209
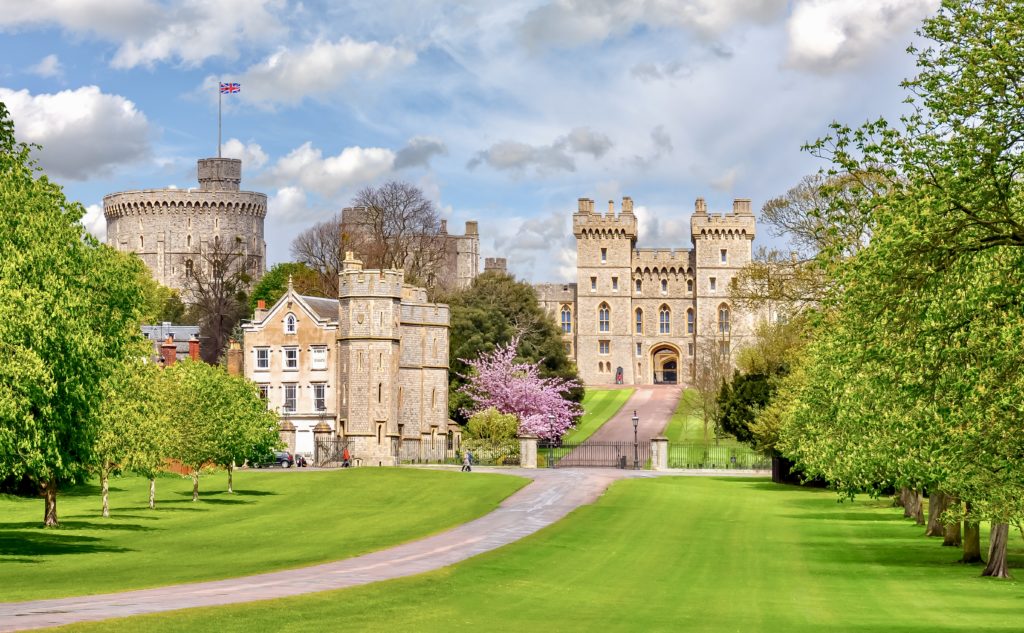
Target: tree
x,y
217,287
217,419
129,436
396,226
491,311
496,380
711,371
274,283
69,317
160,303
320,249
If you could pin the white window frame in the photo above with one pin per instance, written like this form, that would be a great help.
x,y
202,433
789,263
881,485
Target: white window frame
x,y
287,365
291,324
318,358
265,365
293,389
320,396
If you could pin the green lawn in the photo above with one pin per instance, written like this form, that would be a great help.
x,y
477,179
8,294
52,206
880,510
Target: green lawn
x,y
599,405
686,428
670,554
275,520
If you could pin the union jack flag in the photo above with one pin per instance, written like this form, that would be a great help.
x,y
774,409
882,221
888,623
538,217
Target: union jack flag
x,y
230,87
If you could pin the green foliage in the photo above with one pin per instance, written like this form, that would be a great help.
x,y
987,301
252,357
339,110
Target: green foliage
x,y
490,312
274,283
492,425
739,401
69,317
160,303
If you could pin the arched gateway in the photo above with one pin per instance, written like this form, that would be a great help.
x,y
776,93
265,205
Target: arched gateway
x,y
665,364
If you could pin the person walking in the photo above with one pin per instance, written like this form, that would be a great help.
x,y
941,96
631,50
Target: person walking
x,y
467,462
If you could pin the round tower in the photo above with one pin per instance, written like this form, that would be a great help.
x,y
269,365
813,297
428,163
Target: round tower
x,y
172,229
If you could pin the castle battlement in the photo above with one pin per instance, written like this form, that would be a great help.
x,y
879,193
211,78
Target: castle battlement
x,y
586,222
740,224
433,314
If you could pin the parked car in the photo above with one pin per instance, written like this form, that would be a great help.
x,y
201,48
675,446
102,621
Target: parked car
x,y
283,459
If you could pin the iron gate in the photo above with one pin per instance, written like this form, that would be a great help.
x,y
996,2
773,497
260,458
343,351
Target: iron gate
x,y
328,452
594,454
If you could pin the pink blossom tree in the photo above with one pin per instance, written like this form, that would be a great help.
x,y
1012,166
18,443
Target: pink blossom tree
x,y
496,380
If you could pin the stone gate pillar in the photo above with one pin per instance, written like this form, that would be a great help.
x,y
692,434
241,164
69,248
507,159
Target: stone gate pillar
x,y
528,451
287,433
659,453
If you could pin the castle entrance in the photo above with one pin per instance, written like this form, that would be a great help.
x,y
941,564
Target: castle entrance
x,y
665,364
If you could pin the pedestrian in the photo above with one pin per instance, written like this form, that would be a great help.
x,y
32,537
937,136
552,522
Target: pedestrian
x,y
467,462
346,458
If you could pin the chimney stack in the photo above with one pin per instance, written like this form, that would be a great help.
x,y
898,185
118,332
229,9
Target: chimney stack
x,y
169,351
234,358
193,347
700,207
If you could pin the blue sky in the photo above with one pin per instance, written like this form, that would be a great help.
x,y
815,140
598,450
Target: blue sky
x,y
502,112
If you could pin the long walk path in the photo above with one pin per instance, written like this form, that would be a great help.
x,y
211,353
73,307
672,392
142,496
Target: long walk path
x,y
551,496
654,406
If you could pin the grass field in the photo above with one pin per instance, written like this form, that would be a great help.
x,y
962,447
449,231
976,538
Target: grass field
x,y
671,554
599,405
275,520
684,427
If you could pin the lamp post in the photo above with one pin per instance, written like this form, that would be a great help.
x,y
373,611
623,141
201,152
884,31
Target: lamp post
x,y
636,443
551,440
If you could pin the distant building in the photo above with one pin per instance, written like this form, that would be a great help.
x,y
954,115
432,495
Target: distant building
x,y
644,315
184,337
170,229
372,365
496,265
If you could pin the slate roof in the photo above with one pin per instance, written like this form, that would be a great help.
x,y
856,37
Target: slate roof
x,y
326,309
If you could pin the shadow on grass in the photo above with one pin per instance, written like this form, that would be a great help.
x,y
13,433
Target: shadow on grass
x,y
67,525
22,543
837,515
255,493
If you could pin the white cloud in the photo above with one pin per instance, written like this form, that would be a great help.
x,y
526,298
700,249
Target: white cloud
x,y
826,34
353,166
289,204
147,32
517,156
251,154
569,23
48,66
94,222
82,132
539,248
290,75
418,152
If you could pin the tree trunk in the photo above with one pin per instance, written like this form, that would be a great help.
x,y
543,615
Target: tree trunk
x,y
951,535
152,493
195,485
50,512
915,507
898,499
997,551
972,539
105,485
906,500
937,503
231,468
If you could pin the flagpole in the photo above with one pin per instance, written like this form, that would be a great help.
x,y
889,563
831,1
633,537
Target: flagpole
x,y
219,99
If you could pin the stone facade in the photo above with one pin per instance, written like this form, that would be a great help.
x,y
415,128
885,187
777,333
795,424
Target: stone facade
x,y
380,352
170,229
643,315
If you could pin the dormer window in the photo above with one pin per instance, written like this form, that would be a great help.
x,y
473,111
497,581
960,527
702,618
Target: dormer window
x,y
289,324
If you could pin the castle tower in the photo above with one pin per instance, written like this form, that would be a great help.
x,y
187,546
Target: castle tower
x,y
369,348
604,248
171,229
722,245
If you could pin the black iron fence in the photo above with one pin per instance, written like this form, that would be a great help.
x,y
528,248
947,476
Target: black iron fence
x,y
594,455
699,455
329,452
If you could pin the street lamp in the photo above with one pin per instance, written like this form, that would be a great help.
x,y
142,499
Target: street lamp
x,y
551,440
636,443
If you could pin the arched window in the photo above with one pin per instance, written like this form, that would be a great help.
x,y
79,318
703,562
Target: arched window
x,y
664,320
664,286
142,242
380,392
639,285
723,319
188,241
289,324
566,320
689,285
603,318
188,268
639,321
691,324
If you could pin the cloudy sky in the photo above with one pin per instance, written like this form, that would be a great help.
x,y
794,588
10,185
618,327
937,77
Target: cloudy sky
x,y
502,112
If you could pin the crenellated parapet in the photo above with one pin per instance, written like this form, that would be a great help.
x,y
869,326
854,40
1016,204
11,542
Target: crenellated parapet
x,y
151,202
586,223
738,225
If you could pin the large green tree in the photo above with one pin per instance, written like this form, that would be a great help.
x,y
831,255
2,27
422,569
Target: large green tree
x,y
69,317
274,283
491,311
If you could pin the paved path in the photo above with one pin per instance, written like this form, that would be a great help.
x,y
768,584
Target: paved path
x,y
654,405
551,496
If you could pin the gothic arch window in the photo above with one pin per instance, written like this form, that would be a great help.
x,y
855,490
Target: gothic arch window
x,y
604,318
188,268
639,321
290,324
664,320
723,318
664,286
639,285
689,285
566,320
